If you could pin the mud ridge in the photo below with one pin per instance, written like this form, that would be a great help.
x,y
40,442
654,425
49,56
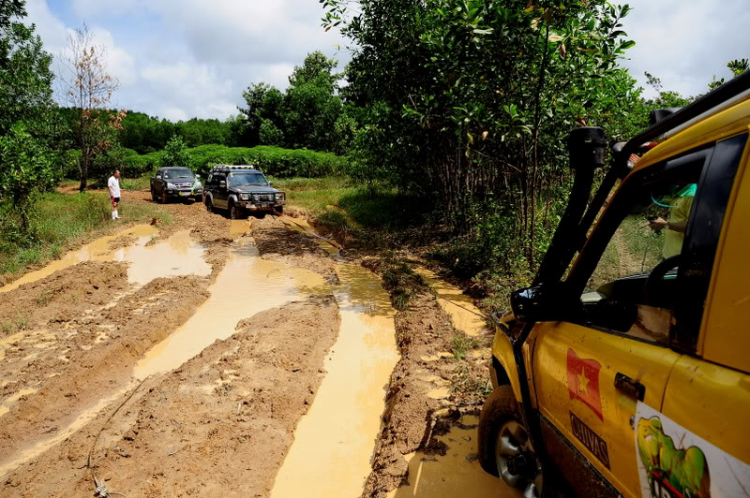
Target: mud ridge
x,y
220,425
297,249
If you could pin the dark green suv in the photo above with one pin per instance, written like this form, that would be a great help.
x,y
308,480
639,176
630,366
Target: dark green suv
x,y
176,182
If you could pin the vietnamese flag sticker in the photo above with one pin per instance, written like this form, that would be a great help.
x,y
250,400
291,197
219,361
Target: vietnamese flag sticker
x,y
583,382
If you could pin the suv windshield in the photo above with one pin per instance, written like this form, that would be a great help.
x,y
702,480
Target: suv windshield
x,y
178,173
237,179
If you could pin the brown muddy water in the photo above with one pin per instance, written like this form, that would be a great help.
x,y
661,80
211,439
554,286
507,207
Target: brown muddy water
x,y
178,255
460,307
334,441
457,473
247,285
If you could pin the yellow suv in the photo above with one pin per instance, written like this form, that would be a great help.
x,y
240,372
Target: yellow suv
x,y
625,367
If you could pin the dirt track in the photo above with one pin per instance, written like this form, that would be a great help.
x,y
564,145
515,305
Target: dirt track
x,y
222,422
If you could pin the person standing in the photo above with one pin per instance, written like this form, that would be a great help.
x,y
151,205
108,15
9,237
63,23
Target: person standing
x,y
113,184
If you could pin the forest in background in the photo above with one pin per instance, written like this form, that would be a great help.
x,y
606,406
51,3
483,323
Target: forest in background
x,y
462,107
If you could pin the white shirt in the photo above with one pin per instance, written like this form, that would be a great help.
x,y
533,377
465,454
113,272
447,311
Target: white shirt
x,y
114,186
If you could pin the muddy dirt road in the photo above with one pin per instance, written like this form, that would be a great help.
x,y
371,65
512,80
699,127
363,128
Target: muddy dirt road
x,y
211,357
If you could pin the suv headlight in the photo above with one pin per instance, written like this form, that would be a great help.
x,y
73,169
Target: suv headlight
x,y
245,197
280,196
170,185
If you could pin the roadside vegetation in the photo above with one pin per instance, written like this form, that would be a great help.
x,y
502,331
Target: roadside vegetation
x,y
59,222
444,136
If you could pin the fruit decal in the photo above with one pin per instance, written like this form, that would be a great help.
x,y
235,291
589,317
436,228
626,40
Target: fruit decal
x,y
671,471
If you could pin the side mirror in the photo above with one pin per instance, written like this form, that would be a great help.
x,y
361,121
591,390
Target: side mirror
x,y
222,184
197,177
270,184
545,303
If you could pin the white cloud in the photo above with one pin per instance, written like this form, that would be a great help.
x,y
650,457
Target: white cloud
x,y
686,43
184,58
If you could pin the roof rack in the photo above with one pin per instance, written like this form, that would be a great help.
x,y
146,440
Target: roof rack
x,y
224,167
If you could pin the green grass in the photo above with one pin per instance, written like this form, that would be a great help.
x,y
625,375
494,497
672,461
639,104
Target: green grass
x,y
461,344
56,222
142,183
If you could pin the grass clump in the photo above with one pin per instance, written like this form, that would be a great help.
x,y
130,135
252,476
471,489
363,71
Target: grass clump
x,y
462,344
56,221
402,283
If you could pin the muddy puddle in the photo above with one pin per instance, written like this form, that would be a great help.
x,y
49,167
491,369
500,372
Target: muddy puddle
x,y
247,285
457,473
460,307
334,441
178,255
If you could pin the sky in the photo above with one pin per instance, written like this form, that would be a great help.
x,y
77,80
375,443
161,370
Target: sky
x,y
178,59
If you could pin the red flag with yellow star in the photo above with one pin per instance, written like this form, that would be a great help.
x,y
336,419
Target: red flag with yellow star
x,y
583,382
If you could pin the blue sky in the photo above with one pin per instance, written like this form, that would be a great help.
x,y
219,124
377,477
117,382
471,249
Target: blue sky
x,y
183,58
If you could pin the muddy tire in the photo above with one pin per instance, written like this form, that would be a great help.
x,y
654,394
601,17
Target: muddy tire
x,y
235,212
153,196
198,198
279,210
164,197
209,205
502,438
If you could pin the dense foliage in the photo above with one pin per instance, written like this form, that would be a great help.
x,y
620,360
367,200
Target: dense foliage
x,y
310,114
471,101
26,124
274,161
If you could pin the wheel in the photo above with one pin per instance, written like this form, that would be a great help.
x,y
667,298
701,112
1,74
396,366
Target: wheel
x,y
164,197
504,446
279,210
260,215
209,205
153,195
198,198
235,212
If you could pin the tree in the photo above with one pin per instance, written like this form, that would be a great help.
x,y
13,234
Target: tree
x,y
89,91
25,75
27,169
472,101
175,153
306,116
26,113
737,67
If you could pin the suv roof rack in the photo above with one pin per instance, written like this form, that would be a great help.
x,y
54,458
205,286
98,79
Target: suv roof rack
x,y
224,167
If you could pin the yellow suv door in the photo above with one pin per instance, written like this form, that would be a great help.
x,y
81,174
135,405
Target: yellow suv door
x,y
702,425
646,292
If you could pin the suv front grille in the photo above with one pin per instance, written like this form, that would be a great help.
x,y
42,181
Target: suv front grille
x,y
263,197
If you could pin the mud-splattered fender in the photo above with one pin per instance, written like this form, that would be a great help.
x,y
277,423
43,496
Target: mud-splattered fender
x,y
503,358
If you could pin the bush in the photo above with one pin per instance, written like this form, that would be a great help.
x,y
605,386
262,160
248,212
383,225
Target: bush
x,y
274,161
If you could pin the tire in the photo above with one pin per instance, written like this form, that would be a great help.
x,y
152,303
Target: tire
x,y
164,197
260,215
235,213
502,436
209,205
279,210
153,196
198,198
